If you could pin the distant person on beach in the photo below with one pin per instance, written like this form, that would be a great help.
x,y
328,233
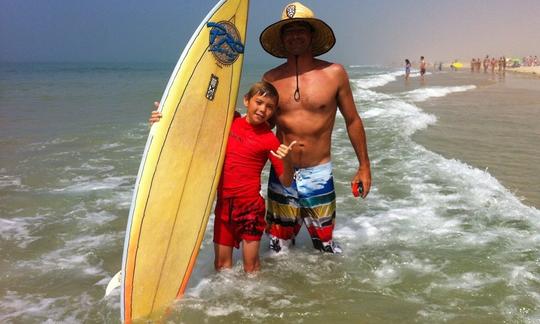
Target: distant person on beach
x,y
486,63
440,66
473,64
493,63
240,209
422,67
310,93
501,63
407,69
478,65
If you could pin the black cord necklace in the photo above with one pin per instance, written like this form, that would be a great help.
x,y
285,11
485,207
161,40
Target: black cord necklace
x,y
297,91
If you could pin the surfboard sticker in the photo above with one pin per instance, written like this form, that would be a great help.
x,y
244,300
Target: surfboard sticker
x,y
225,42
212,87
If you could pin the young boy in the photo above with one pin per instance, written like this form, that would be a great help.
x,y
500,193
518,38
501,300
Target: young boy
x,y
240,209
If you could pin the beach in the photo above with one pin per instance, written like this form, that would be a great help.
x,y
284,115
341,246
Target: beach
x,y
531,70
448,233
493,127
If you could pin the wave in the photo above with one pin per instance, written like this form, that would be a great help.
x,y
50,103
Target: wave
x,y
377,80
424,94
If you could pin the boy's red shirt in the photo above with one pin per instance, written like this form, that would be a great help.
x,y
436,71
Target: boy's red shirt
x,y
248,149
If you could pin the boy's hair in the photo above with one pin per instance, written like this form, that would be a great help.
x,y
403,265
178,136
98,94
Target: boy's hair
x,y
263,88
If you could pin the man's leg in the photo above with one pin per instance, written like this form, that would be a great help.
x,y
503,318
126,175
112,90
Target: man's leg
x,y
318,200
282,215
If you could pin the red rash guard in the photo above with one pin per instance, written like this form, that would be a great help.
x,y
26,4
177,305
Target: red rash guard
x,y
248,149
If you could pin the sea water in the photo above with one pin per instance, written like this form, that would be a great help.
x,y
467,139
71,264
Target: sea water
x,y
436,240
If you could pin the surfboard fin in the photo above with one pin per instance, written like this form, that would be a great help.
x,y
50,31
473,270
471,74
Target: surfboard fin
x,y
116,281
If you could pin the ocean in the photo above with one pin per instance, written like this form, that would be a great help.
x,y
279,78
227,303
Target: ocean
x,y
439,239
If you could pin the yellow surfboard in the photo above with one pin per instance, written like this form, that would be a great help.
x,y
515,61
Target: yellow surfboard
x,y
181,165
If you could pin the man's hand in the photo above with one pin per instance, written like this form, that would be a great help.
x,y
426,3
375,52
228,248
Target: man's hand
x,y
361,183
283,150
155,116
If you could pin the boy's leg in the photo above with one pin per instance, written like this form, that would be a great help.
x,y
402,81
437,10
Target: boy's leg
x,y
224,240
250,253
223,257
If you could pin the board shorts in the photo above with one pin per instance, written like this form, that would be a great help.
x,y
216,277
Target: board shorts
x,y
237,219
310,199
422,71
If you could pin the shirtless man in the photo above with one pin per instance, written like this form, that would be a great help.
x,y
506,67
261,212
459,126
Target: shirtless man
x,y
423,66
310,92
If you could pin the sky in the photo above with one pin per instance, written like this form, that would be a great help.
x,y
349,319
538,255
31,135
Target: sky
x,y
367,31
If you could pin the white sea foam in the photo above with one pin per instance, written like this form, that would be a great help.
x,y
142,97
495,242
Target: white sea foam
x,y
76,254
87,183
9,181
109,146
20,229
469,282
377,80
403,118
26,308
370,95
38,146
357,66
14,305
423,94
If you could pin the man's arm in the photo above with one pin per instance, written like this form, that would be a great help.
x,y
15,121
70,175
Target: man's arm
x,y
355,129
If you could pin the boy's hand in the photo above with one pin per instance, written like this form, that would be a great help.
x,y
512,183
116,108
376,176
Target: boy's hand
x,y
155,116
283,150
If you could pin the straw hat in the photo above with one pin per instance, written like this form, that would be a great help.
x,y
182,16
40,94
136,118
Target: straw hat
x,y
323,38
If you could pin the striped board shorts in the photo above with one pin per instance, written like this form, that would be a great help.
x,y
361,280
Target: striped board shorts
x,y
310,199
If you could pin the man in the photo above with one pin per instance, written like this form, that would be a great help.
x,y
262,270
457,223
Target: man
x,y
310,92
423,66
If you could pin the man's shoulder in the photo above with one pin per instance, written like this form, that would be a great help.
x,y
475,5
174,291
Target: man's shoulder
x,y
274,74
333,70
330,67
336,67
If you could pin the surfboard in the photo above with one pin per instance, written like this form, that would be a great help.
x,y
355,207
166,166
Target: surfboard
x,y
181,165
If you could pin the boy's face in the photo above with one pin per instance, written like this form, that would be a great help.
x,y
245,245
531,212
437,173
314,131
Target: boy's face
x,y
259,108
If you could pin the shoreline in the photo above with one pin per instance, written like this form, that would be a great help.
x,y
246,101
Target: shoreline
x,y
492,127
528,70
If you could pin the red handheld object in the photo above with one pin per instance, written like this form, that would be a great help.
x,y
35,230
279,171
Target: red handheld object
x,y
356,189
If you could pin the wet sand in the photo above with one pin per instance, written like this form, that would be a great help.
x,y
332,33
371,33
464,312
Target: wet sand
x,y
494,127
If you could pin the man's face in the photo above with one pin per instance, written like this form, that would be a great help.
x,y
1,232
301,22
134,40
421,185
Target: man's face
x,y
296,38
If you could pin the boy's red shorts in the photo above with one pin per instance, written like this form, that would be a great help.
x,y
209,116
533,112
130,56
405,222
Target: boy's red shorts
x,y
237,219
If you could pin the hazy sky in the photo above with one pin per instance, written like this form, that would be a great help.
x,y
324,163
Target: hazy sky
x,y
367,31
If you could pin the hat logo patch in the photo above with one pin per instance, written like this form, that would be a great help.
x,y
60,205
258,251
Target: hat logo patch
x,y
225,43
291,11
